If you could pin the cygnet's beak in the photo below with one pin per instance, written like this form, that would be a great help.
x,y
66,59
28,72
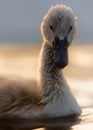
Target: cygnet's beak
x,y
61,52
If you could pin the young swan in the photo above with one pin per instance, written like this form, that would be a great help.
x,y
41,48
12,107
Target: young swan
x,y
59,28
52,97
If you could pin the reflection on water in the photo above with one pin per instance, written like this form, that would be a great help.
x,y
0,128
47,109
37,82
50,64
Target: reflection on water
x,y
23,61
63,123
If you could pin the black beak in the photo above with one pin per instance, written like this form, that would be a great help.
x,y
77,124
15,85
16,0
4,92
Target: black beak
x,y
61,52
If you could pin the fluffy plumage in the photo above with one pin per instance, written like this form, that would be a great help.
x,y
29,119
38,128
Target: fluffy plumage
x,y
50,96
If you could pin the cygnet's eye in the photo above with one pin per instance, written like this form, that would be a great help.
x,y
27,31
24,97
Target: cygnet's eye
x,y
70,29
51,27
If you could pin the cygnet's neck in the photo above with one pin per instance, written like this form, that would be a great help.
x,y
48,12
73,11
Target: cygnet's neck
x,y
51,78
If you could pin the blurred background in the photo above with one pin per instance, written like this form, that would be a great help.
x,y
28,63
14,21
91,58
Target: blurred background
x,y
20,20
20,42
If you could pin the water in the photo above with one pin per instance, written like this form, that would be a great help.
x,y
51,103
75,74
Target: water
x,y
23,61
84,122
51,124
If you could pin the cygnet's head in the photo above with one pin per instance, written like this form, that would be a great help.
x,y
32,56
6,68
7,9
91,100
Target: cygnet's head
x,y
59,28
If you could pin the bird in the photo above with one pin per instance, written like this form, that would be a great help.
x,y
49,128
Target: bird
x,y
49,96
